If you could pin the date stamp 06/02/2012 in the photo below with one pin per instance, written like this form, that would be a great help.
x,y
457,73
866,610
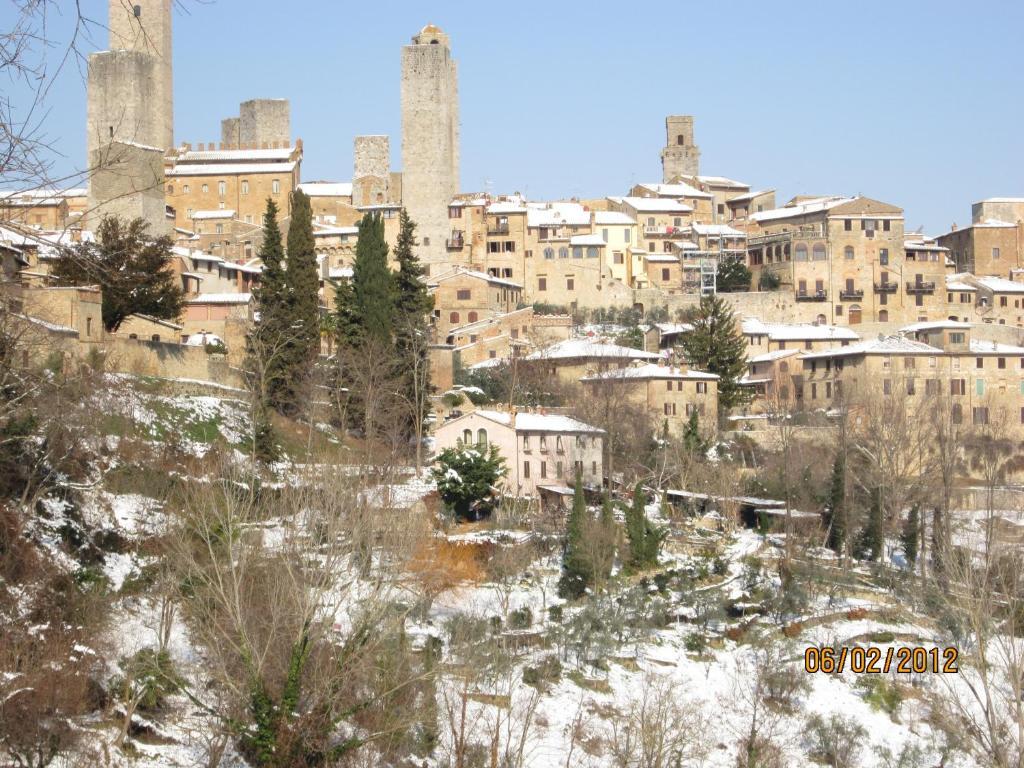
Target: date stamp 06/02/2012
x,y
873,660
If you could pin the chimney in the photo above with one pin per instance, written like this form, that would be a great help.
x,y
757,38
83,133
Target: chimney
x,y
953,228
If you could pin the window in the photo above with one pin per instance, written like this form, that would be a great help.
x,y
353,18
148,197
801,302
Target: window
x,y
473,317
886,387
543,470
592,252
883,256
245,187
931,386
206,188
549,253
137,10
801,252
467,436
818,253
979,362
666,275
848,252
570,284
276,187
958,386
453,317
170,189
563,252
481,437
702,387
979,387
995,253
526,470
577,251
463,294
593,467
222,188
220,229
617,257
542,283
847,225
957,413
980,416
911,389
1001,363
187,189
604,234
543,443
883,316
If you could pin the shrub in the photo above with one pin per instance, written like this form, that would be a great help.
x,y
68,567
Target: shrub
x,y
150,674
521,618
837,741
881,694
547,670
696,642
785,685
555,613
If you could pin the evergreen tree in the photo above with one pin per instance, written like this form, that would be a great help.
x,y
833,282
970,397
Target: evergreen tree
x,y
716,345
577,570
911,532
372,282
132,268
693,441
870,543
303,300
644,537
606,533
732,276
466,476
836,506
269,340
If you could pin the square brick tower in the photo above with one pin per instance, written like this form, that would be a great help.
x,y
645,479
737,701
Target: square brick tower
x,y
681,156
430,139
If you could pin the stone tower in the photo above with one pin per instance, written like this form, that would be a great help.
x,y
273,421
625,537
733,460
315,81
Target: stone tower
x,y
371,175
265,121
680,157
130,121
430,139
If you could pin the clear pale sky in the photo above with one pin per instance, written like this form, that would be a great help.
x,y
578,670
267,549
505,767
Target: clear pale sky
x,y
920,104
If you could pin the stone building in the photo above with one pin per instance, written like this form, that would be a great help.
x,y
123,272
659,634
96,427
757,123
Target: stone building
x,y
430,140
239,180
540,449
130,122
994,242
371,174
260,123
572,359
464,296
670,394
844,257
681,156
41,209
661,220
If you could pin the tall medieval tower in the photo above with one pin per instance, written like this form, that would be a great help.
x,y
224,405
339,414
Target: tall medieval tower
x,y
130,121
430,139
681,156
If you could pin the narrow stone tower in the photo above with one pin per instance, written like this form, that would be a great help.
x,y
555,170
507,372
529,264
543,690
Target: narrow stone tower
x,y
371,174
681,156
130,120
144,26
430,139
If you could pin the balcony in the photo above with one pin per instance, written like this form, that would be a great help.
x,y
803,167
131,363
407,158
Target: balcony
x,y
497,229
886,287
659,230
455,243
855,294
812,295
920,286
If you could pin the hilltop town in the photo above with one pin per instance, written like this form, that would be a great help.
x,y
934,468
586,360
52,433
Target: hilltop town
x,y
382,471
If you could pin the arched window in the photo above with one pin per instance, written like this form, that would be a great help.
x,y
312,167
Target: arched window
x,y
822,320
577,252
222,188
481,437
680,140
783,367
801,252
819,252
848,252
563,252
592,252
453,317
854,316
170,189
467,436
473,317
785,250
883,316
549,253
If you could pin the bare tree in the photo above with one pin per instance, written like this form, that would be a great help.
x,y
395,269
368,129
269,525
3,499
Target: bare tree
x,y
658,729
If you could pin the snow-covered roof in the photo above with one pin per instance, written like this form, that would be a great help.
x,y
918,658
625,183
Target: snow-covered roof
x,y
322,231
587,348
220,298
654,204
202,215
993,224
235,155
814,205
229,169
507,206
1001,284
458,271
719,230
1003,200
770,357
722,181
539,422
650,371
586,240
671,329
327,188
923,245
556,214
203,339
662,258
889,345
936,325
679,189
340,273
612,217
958,283
986,347
748,196
798,331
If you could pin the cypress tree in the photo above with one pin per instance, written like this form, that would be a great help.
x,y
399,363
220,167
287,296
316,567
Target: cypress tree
x,y
716,345
911,531
302,304
836,506
347,328
372,282
870,543
271,333
606,532
644,537
692,439
577,571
